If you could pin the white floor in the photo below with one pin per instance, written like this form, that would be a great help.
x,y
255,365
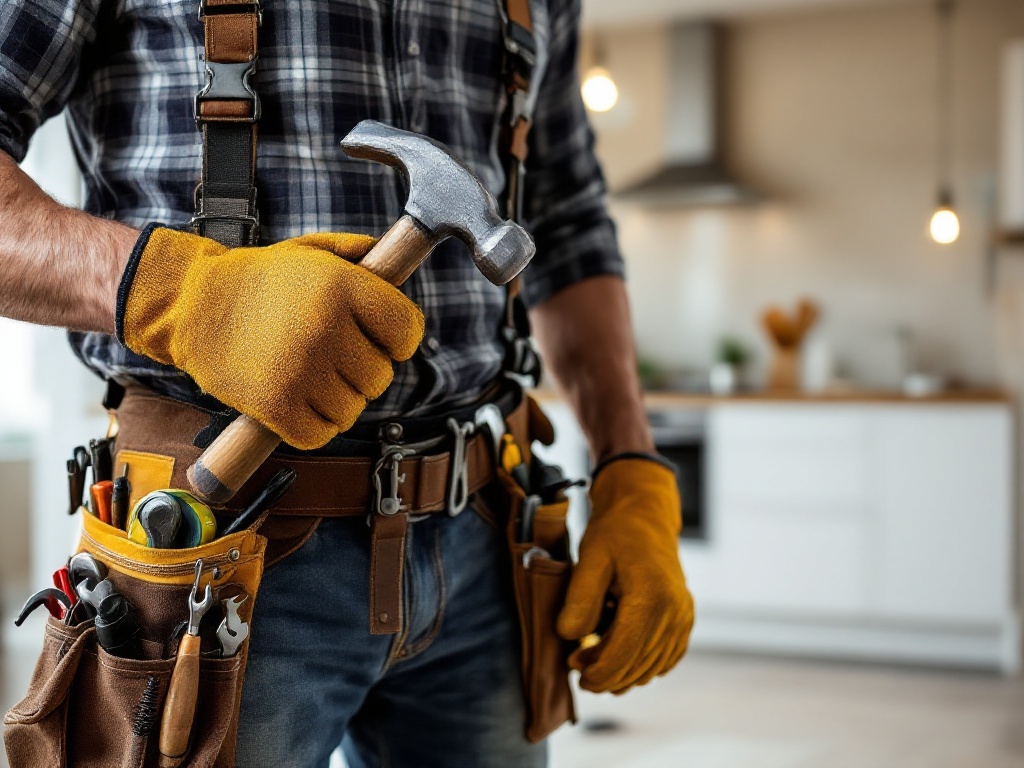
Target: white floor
x,y
740,712
718,711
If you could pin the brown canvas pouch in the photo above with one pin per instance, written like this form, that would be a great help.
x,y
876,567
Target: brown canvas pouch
x,y
541,569
82,709
540,576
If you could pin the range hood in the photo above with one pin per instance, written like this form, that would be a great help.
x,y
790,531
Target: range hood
x,y
692,171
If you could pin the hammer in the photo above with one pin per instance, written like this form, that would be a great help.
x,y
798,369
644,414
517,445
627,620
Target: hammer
x,y
445,200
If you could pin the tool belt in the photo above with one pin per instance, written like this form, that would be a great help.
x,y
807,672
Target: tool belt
x,y
88,707
437,458
426,466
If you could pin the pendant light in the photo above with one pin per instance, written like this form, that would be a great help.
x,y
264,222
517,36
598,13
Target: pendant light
x,y
599,91
945,224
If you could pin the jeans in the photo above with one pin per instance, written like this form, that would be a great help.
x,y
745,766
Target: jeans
x,y
445,692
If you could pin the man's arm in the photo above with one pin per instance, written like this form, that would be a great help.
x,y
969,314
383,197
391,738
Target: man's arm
x,y
585,337
58,266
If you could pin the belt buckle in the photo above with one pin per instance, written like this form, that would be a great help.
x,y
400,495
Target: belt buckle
x,y
458,473
389,503
228,81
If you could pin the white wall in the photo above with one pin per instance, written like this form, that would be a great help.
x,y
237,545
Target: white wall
x,y
64,409
831,115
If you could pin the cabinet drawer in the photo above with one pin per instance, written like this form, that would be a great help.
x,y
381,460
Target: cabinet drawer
x,y
808,457
803,567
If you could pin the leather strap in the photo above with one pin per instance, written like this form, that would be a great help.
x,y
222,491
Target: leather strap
x,y
325,486
521,358
387,564
227,110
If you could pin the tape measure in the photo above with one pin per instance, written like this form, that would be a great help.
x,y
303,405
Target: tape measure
x,y
171,519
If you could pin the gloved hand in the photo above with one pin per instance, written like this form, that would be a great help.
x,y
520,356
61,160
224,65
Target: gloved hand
x,y
292,334
630,548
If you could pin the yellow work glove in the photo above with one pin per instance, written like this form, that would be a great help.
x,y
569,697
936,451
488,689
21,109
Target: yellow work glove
x,y
630,549
293,334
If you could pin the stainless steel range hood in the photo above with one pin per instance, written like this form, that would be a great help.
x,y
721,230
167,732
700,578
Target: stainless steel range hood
x,y
692,172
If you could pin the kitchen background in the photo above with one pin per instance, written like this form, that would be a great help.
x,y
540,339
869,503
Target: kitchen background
x,y
855,557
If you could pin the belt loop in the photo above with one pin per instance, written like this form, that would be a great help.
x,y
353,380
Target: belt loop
x,y
458,473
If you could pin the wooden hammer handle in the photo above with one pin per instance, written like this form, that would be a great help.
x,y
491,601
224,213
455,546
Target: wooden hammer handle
x,y
242,448
180,704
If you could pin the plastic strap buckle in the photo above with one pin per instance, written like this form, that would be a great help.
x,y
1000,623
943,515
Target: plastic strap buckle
x,y
244,214
229,82
522,360
521,49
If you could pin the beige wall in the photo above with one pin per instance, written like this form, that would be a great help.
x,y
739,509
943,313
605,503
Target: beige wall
x,y
832,118
14,515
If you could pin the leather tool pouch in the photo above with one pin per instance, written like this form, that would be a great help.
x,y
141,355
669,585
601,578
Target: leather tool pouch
x,y
541,568
540,575
83,705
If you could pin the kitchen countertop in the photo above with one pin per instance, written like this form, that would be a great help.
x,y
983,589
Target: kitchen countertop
x,y
674,399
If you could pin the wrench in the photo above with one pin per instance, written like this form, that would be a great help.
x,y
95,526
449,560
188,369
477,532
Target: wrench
x,y
183,690
232,630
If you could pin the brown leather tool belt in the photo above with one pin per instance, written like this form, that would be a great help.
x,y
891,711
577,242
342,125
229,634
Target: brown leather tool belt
x,y
416,471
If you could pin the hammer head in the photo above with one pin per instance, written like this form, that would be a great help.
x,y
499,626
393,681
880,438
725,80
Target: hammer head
x,y
445,197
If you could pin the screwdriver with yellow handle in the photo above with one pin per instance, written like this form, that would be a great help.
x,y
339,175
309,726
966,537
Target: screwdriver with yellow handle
x,y
512,462
183,691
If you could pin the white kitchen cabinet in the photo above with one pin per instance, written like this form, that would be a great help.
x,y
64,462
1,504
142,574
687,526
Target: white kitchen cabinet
x,y
863,530
786,510
943,514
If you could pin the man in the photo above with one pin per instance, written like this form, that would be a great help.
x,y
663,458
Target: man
x,y
296,335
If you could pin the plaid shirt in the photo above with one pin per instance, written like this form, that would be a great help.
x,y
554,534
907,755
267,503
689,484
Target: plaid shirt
x,y
127,71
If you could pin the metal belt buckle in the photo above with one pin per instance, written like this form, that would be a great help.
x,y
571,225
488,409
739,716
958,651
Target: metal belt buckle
x,y
389,503
229,81
458,473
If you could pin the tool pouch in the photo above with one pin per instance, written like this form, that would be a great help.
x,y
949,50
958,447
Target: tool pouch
x,y
85,708
540,575
541,568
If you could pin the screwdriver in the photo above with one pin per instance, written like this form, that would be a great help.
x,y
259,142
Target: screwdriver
x,y
512,462
100,496
119,500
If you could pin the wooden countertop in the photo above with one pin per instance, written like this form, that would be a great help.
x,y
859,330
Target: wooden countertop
x,y
670,399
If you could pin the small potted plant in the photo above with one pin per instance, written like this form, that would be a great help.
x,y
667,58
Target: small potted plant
x,y
727,373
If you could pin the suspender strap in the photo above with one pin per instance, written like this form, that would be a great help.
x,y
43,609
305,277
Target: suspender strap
x,y
226,111
521,358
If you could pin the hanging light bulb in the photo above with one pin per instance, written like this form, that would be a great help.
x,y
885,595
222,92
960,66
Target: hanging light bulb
x,y
945,224
600,93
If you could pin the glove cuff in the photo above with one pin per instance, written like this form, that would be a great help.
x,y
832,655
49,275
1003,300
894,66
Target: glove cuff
x,y
128,277
657,458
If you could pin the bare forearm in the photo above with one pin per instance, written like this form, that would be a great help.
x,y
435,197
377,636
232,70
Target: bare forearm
x,y
586,337
58,266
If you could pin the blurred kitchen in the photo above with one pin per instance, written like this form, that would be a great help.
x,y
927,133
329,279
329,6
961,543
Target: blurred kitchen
x,y
821,204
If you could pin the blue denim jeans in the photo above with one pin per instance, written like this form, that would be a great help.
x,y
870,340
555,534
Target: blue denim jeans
x,y
444,693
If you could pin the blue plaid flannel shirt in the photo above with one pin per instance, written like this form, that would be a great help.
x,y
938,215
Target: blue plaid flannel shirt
x,y
126,71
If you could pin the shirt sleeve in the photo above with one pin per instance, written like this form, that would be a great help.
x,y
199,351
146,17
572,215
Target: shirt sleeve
x,y
41,44
564,189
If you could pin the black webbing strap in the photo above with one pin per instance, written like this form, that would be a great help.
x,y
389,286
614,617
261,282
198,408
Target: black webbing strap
x,y
227,110
521,358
